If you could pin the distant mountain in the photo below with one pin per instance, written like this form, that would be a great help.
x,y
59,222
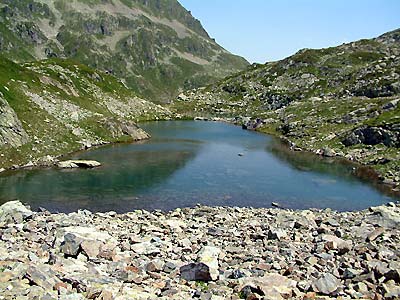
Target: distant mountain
x,y
344,99
156,46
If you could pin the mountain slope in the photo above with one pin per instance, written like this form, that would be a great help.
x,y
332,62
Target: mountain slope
x,y
156,46
56,106
339,101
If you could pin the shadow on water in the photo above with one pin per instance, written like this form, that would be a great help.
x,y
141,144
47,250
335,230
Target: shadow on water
x,y
110,187
336,167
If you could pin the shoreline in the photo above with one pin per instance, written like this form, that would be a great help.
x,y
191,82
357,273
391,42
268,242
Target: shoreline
x,y
367,173
201,252
373,177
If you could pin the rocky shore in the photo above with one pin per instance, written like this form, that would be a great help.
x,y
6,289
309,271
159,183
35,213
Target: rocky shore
x,y
200,253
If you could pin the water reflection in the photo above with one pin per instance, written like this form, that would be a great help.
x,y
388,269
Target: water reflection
x,y
123,175
194,162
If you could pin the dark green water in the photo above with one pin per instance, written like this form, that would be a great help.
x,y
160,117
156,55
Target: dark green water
x,y
194,162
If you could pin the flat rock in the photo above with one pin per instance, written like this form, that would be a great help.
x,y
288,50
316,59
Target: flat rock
x,y
327,284
271,285
332,242
92,241
70,164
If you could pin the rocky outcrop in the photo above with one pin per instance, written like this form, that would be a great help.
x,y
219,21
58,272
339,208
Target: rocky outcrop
x,y
11,131
373,136
124,127
201,253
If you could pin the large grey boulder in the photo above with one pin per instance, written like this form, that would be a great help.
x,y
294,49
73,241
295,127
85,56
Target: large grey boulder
x,y
70,164
14,212
89,240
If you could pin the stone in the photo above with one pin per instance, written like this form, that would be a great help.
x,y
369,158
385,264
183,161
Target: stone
x,y
271,286
145,248
14,212
277,234
94,243
328,152
169,267
209,256
196,272
375,234
71,244
327,284
69,164
335,243
43,276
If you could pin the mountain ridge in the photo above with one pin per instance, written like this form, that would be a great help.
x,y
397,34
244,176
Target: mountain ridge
x,y
147,43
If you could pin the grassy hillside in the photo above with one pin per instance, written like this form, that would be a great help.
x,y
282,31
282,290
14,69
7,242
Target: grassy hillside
x,y
337,101
155,46
57,106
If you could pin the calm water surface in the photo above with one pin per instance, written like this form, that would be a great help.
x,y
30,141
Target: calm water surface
x,y
188,162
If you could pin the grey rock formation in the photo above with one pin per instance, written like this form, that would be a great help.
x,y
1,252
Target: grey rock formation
x,y
11,131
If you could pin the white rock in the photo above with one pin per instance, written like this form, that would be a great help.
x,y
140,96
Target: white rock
x,y
68,164
209,256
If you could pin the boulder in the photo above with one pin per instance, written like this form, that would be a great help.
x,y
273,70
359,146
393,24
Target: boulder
x,y
196,272
271,286
385,216
332,242
93,243
209,256
14,212
327,284
371,136
43,276
69,164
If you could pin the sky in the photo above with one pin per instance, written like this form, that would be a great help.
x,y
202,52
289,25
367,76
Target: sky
x,y
268,30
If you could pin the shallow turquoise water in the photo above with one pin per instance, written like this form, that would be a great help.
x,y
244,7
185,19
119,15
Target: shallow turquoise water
x,y
189,162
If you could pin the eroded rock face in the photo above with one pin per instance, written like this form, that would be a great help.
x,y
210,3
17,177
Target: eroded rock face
x,y
11,131
122,127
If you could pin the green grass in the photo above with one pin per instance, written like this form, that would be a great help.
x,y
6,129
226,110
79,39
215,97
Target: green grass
x,y
55,135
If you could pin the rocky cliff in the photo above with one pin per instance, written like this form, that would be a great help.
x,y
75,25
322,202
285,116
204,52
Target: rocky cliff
x,y
55,106
336,101
157,47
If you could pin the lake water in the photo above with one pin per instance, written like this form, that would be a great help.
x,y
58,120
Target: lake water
x,y
189,162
